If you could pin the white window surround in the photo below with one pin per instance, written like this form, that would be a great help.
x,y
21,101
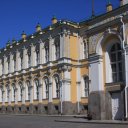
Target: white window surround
x,y
56,86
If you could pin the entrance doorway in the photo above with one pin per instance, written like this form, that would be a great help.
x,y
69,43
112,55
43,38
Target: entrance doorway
x,y
117,106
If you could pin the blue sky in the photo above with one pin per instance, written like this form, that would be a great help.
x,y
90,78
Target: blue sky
x,y
19,15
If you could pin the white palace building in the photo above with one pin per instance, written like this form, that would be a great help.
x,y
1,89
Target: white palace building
x,y
69,68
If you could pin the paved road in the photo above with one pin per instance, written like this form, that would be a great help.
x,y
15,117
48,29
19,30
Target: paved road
x,y
11,121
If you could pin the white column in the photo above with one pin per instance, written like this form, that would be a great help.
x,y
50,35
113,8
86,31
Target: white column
x,y
51,43
5,65
33,55
11,66
68,44
18,61
50,90
1,67
41,52
66,86
63,44
96,74
25,59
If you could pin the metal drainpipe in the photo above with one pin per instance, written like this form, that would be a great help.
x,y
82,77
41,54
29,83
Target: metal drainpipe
x,y
125,62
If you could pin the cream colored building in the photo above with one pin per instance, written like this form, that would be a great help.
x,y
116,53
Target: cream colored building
x,y
69,68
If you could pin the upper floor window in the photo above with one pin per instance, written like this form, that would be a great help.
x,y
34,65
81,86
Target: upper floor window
x,y
46,53
8,66
2,68
37,57
21,62
85,50
14,64
116,62
29,60
57,50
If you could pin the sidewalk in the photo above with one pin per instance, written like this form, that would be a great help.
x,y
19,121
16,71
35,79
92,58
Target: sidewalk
x,y
78,120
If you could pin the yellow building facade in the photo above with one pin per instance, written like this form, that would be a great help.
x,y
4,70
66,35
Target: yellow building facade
x,y
69,68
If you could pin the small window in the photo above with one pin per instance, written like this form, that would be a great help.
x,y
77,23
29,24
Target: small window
x,y
86,86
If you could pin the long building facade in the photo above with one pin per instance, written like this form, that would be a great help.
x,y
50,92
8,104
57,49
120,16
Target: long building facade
x,y
69,68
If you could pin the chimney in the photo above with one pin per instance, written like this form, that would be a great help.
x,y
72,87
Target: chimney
x,y
109,6
54,20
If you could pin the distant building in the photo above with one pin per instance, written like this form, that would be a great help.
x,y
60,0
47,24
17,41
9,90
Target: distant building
x,y
69,68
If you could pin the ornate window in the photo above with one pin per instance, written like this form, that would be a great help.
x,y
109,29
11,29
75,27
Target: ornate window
x,y
57,86
57,50
8,66
29,59
37,57
21,62
46,81
14,64
85,50
36,89
28,90
46,53
116,62
3,67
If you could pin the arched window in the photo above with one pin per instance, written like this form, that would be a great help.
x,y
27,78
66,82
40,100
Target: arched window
x,y
29,59
28,89
56,86
21,61
46,87
116,62
37,57
57,50
85,50
46,53
20,91
36,89
7,91
13,90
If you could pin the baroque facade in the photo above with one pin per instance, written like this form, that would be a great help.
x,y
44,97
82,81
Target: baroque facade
x,y
69,68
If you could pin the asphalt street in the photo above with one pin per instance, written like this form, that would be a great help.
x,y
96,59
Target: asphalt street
x,y
22,121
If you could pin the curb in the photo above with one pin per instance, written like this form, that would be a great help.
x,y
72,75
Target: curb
x,y
94,122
